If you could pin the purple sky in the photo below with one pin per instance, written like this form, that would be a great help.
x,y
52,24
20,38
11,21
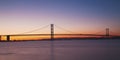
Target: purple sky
x,y
80,16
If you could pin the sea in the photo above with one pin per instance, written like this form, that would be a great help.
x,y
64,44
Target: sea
x,y
88,49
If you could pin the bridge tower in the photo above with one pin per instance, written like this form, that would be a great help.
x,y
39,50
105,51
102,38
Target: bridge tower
x,y
52,31
107,32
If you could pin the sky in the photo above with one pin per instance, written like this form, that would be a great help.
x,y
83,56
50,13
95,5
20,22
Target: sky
x,y
79,16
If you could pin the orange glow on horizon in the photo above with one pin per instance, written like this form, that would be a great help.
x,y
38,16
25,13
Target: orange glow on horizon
x,y
15,38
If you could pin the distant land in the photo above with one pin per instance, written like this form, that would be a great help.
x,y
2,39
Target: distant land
x,y
73,38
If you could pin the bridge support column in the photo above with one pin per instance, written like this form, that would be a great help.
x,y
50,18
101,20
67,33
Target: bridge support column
x,y
8,37
52,31
0,38
107,32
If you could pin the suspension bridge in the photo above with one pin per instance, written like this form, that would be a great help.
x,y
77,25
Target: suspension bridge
x,y
52,33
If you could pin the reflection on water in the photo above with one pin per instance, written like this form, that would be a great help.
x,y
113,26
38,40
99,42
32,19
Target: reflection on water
x,y
63,50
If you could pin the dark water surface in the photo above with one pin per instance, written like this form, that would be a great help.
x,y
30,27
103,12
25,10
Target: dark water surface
x,y
62,50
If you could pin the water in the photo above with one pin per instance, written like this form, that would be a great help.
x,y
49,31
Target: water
x,y
63,50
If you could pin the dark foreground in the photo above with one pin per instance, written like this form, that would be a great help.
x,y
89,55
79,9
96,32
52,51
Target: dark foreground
x,y
62,50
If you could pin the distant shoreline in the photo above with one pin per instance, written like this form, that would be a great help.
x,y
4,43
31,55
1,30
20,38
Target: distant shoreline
x,y
109,38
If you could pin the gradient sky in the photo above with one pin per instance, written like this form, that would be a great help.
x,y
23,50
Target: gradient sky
x,y
80,16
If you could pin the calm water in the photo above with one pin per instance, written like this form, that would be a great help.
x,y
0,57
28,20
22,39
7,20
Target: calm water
x,y
63,50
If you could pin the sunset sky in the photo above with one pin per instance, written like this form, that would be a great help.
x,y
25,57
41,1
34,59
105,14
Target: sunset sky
x,y
79,16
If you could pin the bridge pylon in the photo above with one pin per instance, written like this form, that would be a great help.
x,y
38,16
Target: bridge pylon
x,y
107,32
52,31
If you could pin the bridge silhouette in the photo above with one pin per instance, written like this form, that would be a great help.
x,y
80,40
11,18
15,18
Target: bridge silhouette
x,y
52,33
